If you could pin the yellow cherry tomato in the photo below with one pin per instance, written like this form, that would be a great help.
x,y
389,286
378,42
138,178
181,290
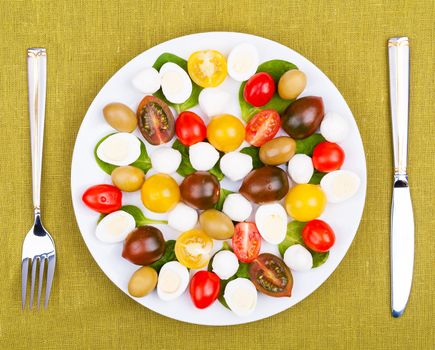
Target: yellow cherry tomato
x,y
305,202
207,68
193,248
160,193
225,132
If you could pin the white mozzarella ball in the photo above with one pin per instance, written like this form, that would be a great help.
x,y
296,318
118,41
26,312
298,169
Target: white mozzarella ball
x,y
237,207
213,101
300,168
147,81
203,156
298,258
176,83
182,217
242,62
236,165
166,160
334,127
225,264
340,185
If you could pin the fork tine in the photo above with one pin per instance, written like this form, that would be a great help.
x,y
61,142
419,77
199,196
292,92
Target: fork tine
x,y
32,283
50,273
41,275
24,276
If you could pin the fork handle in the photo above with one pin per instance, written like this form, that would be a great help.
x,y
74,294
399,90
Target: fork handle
x,y
37,76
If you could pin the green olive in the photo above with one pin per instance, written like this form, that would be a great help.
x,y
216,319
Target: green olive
x,y
142,282
128,178
291,84
216,224
277,151
120,117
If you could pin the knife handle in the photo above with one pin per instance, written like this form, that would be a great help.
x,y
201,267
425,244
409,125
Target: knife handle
x,y
398,55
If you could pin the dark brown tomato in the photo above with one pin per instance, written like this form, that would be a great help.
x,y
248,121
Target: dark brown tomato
x,y
266,184
271,275
144,245
200,190
155,120
303,117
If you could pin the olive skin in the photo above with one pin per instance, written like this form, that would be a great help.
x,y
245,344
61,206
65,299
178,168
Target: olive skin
x,y
120,117
277,151
144,245
142,282
266,184
291,84
303,117
128,178
200,190
216,224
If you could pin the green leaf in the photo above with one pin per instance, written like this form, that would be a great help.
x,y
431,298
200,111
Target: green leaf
x,y
143,162
243,271
317,176
139,217
185,167
294,236
254,153
222,195
168,255
307,145
192,101
216,171
276,68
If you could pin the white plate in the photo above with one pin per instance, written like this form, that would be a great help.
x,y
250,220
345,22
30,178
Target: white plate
x,y
344,218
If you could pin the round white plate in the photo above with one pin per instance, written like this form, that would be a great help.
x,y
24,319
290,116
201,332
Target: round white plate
x,y
344,218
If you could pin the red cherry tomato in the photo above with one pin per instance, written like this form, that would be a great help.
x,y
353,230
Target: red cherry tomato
x,y
318,236
246,241
103,198
190,128
204,288
259,89
327,157
263,127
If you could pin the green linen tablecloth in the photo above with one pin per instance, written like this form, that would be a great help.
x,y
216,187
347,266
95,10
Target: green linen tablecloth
x,y
88,41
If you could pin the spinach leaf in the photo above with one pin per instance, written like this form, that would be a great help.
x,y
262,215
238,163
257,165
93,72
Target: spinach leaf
x,y
243,271
168,255
254,153
216,171
185,167
143,162
222,195
192,101
307,145
276,68
294,236
317,176
139,218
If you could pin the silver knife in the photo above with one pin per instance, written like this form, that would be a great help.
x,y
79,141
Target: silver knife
x,y
402,217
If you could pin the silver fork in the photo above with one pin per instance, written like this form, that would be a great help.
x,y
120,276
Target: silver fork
x,y
38,246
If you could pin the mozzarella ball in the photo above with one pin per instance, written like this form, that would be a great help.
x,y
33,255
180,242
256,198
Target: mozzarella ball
x,y
298,258
236,165
166,160
203,156
147,81
300,168
213,101
182,217
334,127
225,264
237,207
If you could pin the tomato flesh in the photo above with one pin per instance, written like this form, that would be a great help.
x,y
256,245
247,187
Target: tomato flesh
x,y
318,236
246,241
259,89
190,128
103,198
327,157
204,288
263,127
271,275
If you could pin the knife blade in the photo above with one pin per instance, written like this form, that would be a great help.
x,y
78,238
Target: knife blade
x,y
402,216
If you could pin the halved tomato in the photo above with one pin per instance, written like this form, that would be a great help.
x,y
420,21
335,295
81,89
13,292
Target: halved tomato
x,y
193,248
246,241
263,127
207,68
271,275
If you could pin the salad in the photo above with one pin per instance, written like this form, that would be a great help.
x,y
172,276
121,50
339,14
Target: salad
x,y
281,151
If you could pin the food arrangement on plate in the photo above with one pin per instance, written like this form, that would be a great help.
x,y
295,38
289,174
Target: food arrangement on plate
x,y
283,155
